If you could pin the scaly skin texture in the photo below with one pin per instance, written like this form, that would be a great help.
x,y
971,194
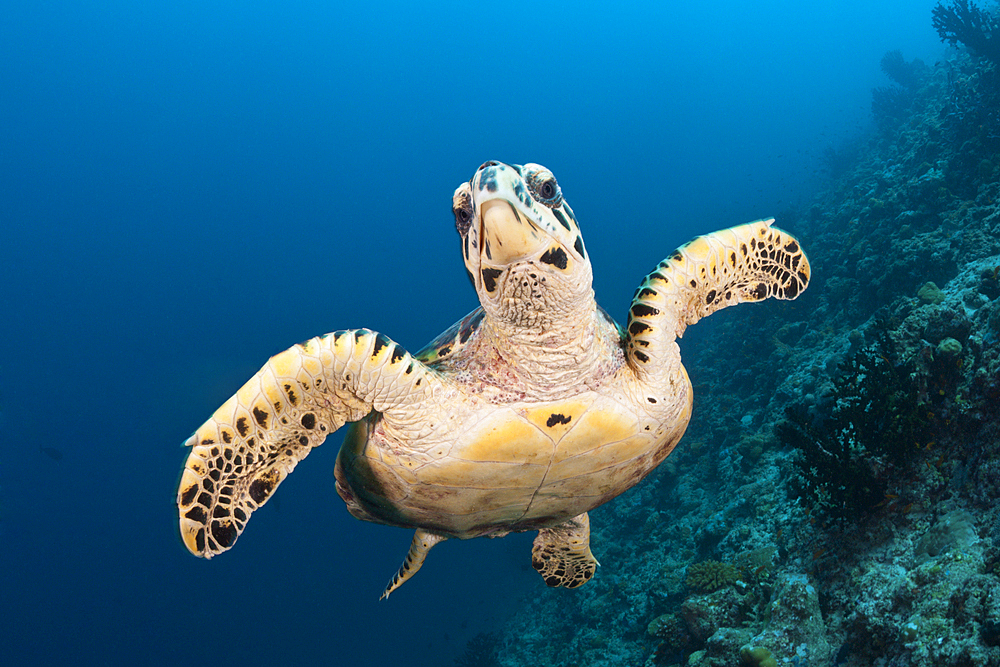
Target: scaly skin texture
x,y
525,415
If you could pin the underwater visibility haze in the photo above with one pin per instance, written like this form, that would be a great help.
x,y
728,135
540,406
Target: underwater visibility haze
x,y
189,188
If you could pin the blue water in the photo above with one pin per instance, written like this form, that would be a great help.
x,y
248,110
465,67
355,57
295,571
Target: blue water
x,y
187,188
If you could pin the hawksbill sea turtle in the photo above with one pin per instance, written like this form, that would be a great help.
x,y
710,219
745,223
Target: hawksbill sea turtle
x,y
526,414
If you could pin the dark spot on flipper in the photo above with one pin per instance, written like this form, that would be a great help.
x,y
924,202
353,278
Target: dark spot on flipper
x,y
693,283
555,256
578,246
260,416
646,292
760,291
637,328
552,582
262,487
651,400
556,418
397,355
640,356
188,494
444,351
242,427
380,342
199,540
227,437
308,420
710,297
642,310
197,514
205,499
224,532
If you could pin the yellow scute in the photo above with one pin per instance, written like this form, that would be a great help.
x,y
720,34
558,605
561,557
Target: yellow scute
x,y
285,364
602,424
506,438
555,419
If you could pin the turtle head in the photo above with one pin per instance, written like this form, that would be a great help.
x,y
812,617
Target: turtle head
x,y
521,243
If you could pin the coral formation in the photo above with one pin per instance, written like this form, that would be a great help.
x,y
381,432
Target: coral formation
x,y
862,438
963,22
710,575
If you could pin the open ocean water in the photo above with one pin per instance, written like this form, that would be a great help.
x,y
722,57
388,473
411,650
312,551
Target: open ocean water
x,y
187,188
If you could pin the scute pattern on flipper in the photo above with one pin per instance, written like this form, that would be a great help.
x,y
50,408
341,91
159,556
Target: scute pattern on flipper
x,y
746,263
561,554
247,448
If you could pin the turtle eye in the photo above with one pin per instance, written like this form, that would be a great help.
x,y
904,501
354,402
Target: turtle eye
x,y
544,187
462,208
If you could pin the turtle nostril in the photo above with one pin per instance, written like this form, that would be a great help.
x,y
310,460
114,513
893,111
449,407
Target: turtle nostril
x,y
491,163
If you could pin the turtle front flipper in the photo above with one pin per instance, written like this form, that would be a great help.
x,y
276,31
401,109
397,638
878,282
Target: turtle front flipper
x,y
749,262
302,395
561,554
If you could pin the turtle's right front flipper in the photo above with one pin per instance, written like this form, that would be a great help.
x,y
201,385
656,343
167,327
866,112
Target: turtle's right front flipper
x,y
750,262
302,395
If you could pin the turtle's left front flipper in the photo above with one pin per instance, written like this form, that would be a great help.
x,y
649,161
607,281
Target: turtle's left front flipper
x,y
302,395
750,262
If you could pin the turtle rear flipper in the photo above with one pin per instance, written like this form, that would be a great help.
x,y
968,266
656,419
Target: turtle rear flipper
x,y
750,262
422,543
561,554
247,448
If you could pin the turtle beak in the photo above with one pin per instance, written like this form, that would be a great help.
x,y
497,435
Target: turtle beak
x,y
506,236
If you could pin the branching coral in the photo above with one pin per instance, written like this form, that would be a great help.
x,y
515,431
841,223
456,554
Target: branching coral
x,y
871,429
902,72
962,22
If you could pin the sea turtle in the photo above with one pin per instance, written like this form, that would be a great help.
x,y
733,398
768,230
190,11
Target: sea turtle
x,y
526,414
